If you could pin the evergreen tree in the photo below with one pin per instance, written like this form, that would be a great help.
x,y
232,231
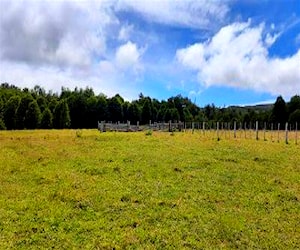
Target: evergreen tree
x,y
187,116
10,112
47,119
33,116
279,112
42,102
146,111
294,104
134,113
295,117
22,110
102,111
172,114
115,109
62,115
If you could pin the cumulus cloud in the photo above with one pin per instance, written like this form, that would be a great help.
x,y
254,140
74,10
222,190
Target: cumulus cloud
x,y
128,57
67,43
189,13
61,33
238,56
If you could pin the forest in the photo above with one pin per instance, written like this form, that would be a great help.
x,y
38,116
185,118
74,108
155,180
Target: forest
x,y
82,108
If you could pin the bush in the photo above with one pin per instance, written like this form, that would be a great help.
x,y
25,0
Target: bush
x,y
78,133
149,132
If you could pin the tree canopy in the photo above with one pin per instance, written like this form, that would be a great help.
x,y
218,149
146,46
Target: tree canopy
x,y
82,108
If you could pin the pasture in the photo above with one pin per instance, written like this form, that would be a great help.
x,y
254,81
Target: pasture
x,y
68,189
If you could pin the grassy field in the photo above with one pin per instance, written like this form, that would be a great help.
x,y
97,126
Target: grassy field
x,y
82,189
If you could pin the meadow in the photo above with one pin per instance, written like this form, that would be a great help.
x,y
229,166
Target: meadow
x,y
71,189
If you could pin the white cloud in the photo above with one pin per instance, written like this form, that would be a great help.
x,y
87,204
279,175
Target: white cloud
x,y
67,43
45,33
238,56
187,13
128,57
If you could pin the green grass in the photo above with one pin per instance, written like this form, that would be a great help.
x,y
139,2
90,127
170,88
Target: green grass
x,y
82,189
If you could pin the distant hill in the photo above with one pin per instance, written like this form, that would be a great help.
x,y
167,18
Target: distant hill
x,y
260,107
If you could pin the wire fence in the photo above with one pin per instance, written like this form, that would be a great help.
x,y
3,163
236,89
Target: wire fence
x,y
221,130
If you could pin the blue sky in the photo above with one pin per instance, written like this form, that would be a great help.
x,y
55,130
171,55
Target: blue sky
x,y
225,52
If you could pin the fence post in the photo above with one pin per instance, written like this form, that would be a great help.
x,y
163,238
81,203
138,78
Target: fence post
x,y
138,125
193,127
240,129
203,127
234,128
256,129
128,125
286,133
265,124
272,132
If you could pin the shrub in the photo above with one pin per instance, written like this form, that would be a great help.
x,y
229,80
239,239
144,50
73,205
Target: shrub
x,y
149,132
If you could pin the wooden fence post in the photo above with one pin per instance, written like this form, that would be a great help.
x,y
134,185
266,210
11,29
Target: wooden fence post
x,y
128,125
193,127
240,129
286,133
234,128
138,125
256,129
203,128
265,125
272,132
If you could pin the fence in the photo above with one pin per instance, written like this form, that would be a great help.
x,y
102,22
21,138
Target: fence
x,y
257,130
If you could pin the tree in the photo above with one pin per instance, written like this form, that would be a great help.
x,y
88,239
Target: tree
x,y
91,112
187,116
2,124
146,111
47,119
172,115
125,107
115,109
42,102
10,112
33,116
22,110
62,115
77,104
134,112
279,112
294,104
295,117
102,111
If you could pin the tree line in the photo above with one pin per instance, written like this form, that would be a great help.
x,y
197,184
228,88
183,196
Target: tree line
x,y
82,108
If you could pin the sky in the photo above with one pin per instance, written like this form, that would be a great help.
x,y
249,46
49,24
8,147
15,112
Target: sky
x,y
226,52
